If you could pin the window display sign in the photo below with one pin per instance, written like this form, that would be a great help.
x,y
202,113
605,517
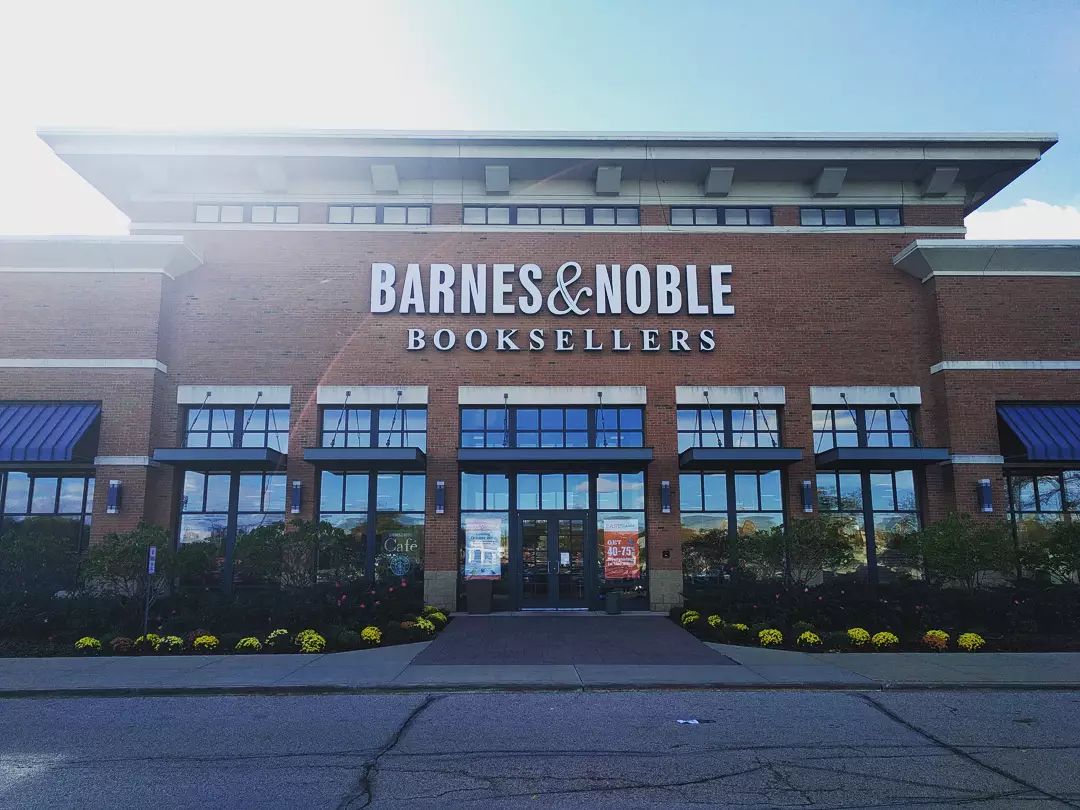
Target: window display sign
x,y
483,536
621,548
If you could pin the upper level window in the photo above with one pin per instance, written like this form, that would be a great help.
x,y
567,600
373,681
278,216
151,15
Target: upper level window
x,y
844,217
728,427
379,215
373,426
552,427
721,216
862,427
241,426
286,214
545,215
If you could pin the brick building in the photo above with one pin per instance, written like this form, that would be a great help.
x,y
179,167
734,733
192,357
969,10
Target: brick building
x,y
561,364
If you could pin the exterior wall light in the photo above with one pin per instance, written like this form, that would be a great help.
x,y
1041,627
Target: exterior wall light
x,y
807,497
296,497
665,497
113,497
440,497
985,495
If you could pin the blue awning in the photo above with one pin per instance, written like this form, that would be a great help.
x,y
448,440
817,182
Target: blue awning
x,y
1047,432
55,433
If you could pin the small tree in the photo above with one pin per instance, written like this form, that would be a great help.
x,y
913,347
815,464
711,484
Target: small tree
x,y
117,565
960,549
1051,550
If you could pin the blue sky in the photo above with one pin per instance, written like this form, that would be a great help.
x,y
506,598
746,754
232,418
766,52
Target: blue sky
x,y
632,65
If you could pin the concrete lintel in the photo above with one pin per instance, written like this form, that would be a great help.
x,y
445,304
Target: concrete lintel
x,y
729,394
865,394
234,394
551,394
372,394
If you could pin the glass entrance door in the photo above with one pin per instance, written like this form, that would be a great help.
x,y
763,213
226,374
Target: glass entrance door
x,y
552,561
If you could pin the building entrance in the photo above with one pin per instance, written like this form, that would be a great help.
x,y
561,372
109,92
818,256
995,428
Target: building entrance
x,y
553,567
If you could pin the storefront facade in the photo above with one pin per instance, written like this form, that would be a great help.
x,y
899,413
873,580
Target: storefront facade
x,y
561,365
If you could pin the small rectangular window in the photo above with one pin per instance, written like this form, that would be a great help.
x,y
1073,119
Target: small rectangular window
x,y
835,216
888,216
289,214
551,216
626,216
735,216
232,213
498,216
810,216
262,213
574,216
682,216
340,215
704,216
865,216
474,216
603,216
528,216
394,215
419,216
761,216
207,213
364,215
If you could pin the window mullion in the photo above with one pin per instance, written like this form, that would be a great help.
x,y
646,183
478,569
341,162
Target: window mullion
x,y
868,524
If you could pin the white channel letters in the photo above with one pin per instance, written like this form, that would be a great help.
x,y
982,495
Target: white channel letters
x,y
510,289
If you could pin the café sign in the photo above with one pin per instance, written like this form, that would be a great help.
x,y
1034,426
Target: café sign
x,y
527,290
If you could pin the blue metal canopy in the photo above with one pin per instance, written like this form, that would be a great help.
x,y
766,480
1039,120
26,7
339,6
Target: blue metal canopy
x,y
48,433
1047,432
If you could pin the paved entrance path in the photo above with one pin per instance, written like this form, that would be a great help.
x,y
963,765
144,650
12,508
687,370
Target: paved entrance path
x,y
561,639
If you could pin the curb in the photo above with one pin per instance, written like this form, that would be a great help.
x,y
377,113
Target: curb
x,y
313,690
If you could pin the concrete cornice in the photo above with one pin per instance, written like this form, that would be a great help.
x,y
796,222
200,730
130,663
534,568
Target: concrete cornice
x,y
170,255
927,258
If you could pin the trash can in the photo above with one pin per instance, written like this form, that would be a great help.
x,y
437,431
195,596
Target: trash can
x,y
611,603
478,595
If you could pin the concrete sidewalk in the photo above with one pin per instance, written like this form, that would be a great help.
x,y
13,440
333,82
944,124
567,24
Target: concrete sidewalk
x,y
395,669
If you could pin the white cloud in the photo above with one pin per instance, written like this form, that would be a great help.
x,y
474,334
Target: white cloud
x,y
1032,219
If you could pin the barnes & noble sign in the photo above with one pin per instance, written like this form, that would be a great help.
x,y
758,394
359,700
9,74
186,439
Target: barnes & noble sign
x,y
527,290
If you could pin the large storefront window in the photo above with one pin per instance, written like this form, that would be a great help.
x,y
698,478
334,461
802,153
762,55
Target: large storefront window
x,y
881,506
862,427
54,504
552,427
1039,500
392,502
728,427
220,508
554,539
374,427
238,427
716,509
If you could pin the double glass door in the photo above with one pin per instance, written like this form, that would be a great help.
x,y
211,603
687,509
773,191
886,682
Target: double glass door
x,y
553,560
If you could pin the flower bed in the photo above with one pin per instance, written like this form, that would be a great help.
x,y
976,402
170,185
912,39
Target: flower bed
x,y
895,617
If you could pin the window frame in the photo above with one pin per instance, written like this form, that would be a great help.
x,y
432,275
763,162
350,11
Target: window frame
x,y
240,426
511,431
590,216
247,213
380,214
374,432
721,212
861,431
849,216
727,429
82,518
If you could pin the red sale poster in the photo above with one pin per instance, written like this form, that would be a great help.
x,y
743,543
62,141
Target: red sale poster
x,y
621,548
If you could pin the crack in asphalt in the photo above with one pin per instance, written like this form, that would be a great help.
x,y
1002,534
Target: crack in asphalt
x,y
966,755
363,794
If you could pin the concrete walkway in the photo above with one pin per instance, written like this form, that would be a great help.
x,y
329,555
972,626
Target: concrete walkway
x,y
578,664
